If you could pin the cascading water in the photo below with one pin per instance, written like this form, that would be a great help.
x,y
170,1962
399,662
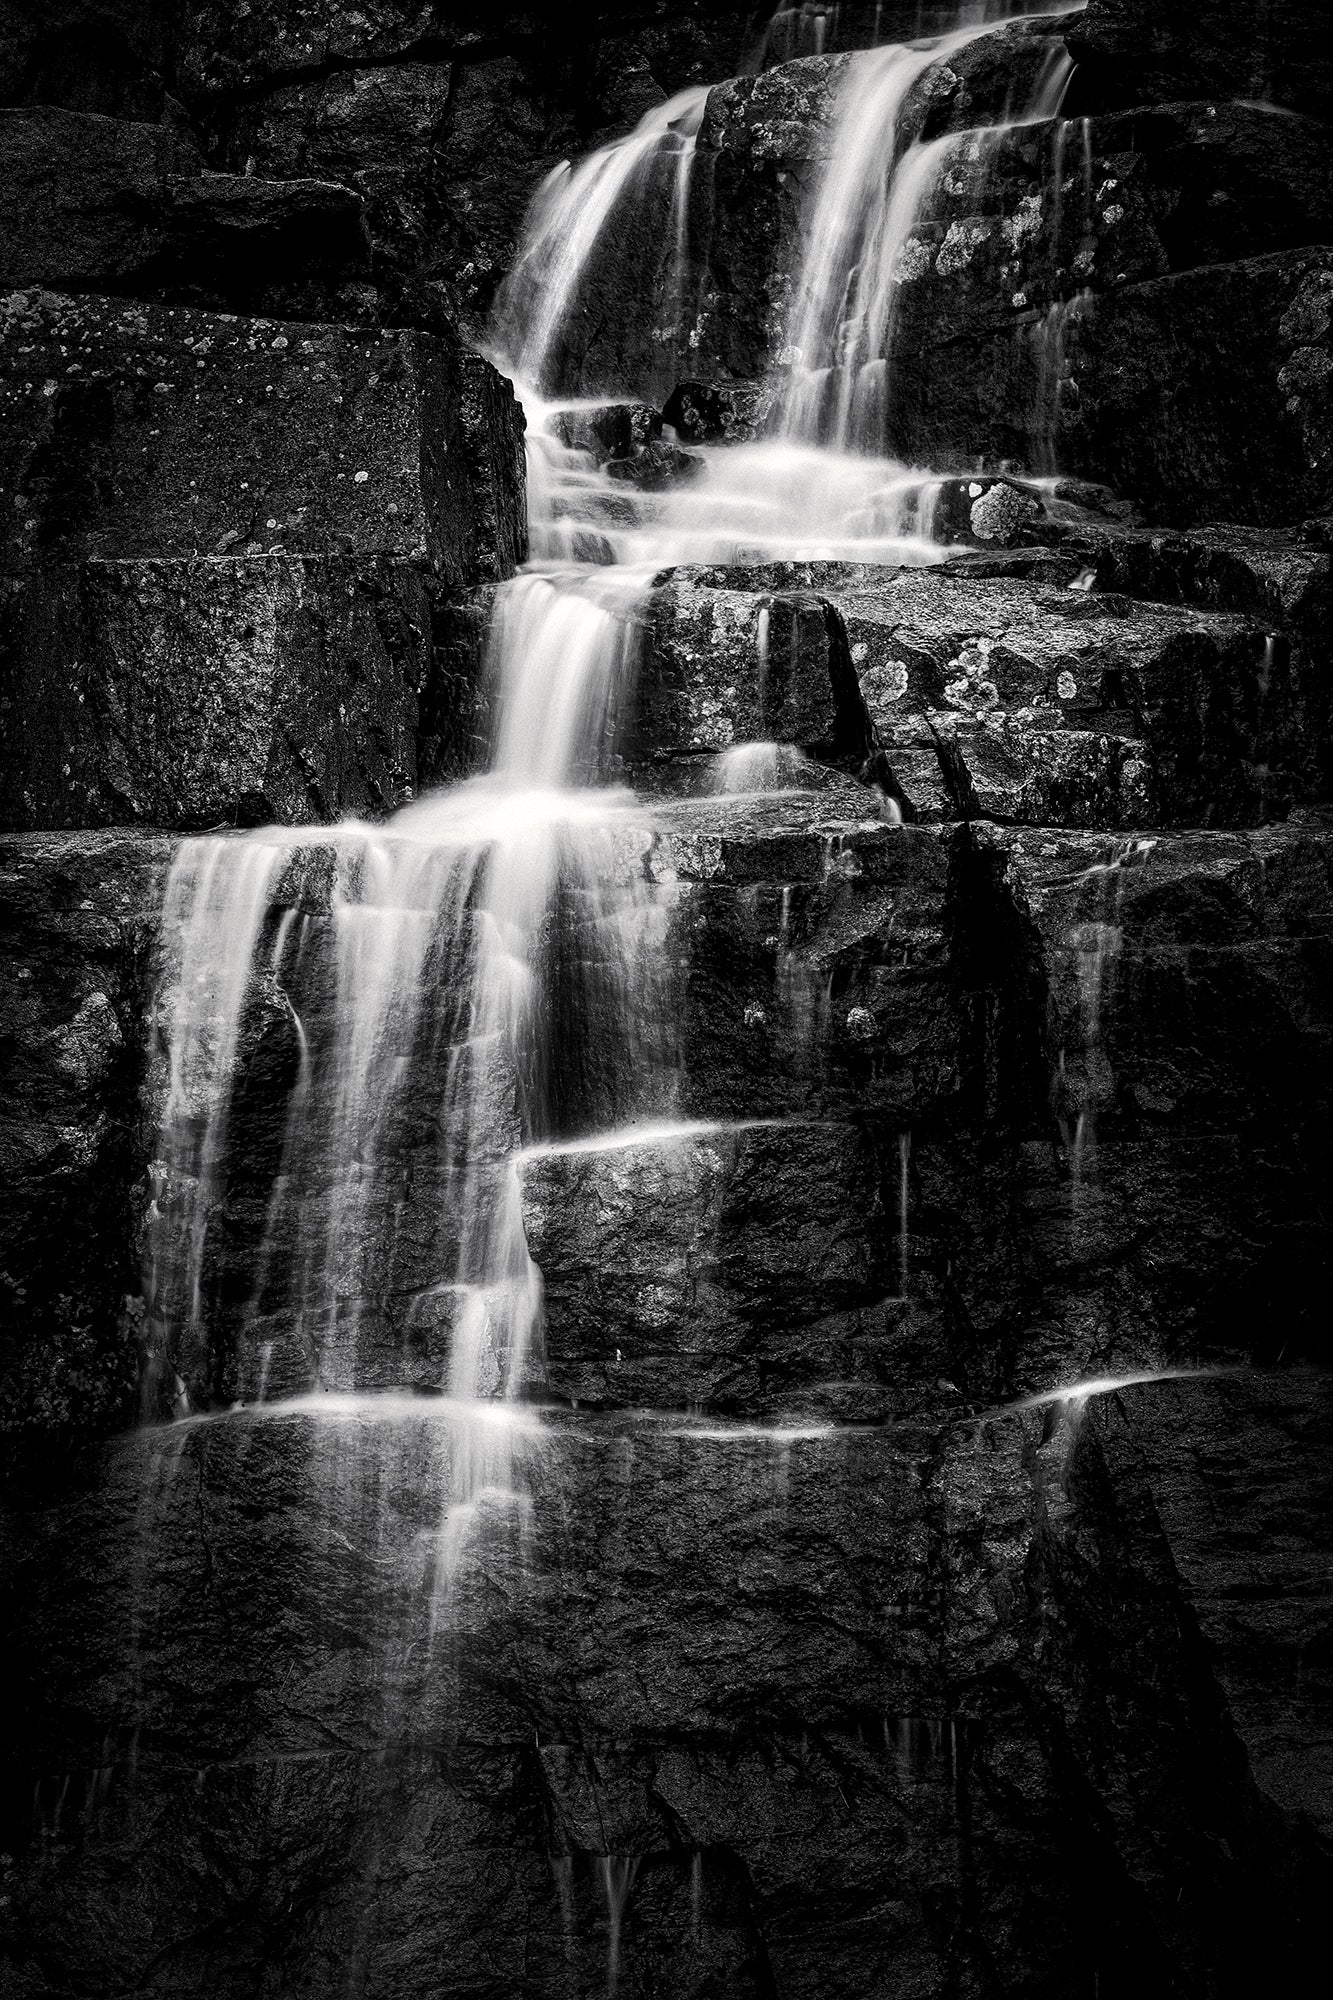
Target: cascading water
x,y
818,485
410,965
869,205
422,990
567,228
863,216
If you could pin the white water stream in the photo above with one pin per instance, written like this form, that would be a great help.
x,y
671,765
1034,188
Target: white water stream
x,y
377,955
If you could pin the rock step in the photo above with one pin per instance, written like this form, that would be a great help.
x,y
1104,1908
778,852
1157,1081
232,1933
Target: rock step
x,y
1231,424
246,688
1088,1065
1026,696
95,204
239,551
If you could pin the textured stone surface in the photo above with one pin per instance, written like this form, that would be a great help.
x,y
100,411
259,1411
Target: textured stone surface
x,y
78,914
724,666
1052,701
134,431
95,204
444,118
1001,1598
209,691
83,197
674,1277
1177,1006
1017,219
1203,395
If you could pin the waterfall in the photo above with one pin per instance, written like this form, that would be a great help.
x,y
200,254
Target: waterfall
x,y
843,293
861,235
818,485
567,227
429,1000
412,969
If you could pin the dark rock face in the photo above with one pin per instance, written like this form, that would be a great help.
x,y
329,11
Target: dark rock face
x,y
84,196
1241,434
105,56
214,689
727,666
97,203
79,917
399,103
669,1266
731,1811
1188,1147
1133,52
223,532
1024,693
902,1571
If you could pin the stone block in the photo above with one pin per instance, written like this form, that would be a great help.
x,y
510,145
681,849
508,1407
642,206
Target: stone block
x,y
218,690
760,151
78,912
1013,769
83,198
241,242
691,1269
106,205
725,666
812,963
1198,395
795,966
1186,971
1065,703
136,430
1019,219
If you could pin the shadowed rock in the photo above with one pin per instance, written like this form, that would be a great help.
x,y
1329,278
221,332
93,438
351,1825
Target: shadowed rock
x,y
211,691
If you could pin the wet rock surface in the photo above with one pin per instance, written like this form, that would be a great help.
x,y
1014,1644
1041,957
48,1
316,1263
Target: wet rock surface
x,y
1242,437
79,914
945,1025
732,1805
722,667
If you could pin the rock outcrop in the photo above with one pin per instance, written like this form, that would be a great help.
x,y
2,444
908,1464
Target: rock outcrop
x,y
222,532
